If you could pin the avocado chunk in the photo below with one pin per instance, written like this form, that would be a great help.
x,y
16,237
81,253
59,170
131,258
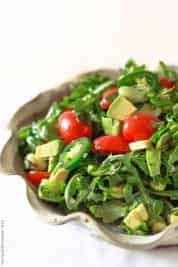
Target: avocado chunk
x,y
117,191
136,217
110,126
49,149
136,93
121,108
52,189
173,218
139,145
158,226
133,93
59,174
32,162
158,186
148,109
153,159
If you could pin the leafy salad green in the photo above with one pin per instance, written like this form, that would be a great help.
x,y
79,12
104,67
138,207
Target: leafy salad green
x,y
110,148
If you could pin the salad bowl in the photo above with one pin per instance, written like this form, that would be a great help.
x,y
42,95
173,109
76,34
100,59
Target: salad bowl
x,y
11,164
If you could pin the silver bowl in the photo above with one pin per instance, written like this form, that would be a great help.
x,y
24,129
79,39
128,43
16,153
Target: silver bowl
x,y
11,164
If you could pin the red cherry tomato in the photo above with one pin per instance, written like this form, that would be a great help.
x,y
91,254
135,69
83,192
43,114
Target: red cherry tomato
x,y
71,128
110,144
139,127
35,177
165,82
107,97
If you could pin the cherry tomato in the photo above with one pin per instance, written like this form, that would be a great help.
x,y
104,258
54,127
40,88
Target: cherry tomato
x,y
110,144
139,127
107,97
165,82
35,177
71,128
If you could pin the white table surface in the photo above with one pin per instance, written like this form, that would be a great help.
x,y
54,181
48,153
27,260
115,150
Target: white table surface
x,y
43,43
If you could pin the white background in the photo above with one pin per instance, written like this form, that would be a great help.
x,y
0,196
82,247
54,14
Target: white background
x,y
43,43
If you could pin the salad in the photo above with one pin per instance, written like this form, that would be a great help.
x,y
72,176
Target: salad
x,y
110,148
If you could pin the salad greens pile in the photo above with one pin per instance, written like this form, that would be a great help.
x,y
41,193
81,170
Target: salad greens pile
x,y
110,148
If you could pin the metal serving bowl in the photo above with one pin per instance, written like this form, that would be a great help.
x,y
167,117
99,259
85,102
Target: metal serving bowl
x,y
11,164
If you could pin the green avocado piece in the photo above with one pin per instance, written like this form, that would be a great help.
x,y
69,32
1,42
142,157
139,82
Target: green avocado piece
x,y
59,174
136,217
158,186
158,226
133,93
31,162
173,218
117,191
153,159
110,126
148,109
121,108
49,149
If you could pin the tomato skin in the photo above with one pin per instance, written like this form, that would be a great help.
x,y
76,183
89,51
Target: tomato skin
x,y
35,177
110,144
105,102
71,128
138,127
165,82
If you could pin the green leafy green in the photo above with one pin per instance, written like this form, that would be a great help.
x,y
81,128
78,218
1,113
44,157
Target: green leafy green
x,y
131,78
76,191
167,72
109,211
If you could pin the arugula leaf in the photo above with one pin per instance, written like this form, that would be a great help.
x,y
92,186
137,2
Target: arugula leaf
x,y
143,229
131,66
167,72
109,211
39,131
139,160
173,158
172,194
131,78
128,193
157,206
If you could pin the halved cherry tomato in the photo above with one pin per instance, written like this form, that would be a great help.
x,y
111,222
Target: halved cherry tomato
x,y
107,97
71,128
139,127
35,177
110,144
165,82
